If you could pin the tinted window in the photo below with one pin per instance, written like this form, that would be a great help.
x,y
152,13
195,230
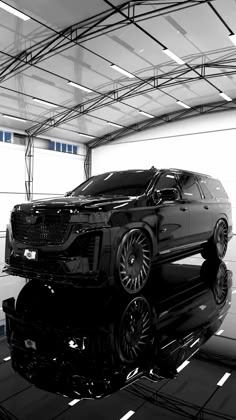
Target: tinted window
x,y
166,180
116,183
216,188
205,190
190,188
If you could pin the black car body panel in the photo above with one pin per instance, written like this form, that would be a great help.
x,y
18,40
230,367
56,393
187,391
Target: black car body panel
x,y
75,239
99,342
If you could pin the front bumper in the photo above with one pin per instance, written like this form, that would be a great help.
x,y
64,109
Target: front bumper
x,y
82,260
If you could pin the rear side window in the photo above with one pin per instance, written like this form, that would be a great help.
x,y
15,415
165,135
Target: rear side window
x,y
216,188
190,187
204,188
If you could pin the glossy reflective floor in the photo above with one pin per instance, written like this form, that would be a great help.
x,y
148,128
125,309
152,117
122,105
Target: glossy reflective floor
x,y
194,393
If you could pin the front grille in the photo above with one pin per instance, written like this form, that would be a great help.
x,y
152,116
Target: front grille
x,y
39,229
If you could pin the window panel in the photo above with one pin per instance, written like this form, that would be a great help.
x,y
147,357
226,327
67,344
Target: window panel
x,y
63,147
58,147
1,135
69,148
7,137
190,188
167,180
75,150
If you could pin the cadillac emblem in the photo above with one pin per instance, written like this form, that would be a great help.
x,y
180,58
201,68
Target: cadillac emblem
x,y
30,255
30,344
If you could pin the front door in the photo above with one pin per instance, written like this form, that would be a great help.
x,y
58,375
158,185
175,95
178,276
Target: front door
x,y
172,217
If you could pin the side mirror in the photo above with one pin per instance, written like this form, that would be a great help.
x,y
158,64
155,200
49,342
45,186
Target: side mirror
x,y
168,194
68,193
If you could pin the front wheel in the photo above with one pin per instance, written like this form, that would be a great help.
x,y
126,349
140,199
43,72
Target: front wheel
x,y
217,245
133,262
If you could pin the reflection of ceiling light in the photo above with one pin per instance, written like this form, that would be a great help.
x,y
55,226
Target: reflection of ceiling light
x,y
13,118
224,96
115,125
183,104
86,135
233,38
223,379
45,103
126,73
173,56
127,415
79,86
146,114
182,366
13,11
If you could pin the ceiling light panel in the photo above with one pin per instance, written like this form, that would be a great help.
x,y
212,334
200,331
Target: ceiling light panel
x,y
13,11
122,71
11,117
76,85
45,103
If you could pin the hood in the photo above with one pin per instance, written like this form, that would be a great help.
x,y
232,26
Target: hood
x,y
96,203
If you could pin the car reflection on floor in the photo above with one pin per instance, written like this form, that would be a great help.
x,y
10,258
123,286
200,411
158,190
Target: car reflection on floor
x,y
91,343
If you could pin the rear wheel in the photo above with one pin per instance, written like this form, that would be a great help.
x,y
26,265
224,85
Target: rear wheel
x,y
217,245
133,261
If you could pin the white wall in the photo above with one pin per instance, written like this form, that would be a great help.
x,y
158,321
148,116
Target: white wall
x,y
54,173
205,143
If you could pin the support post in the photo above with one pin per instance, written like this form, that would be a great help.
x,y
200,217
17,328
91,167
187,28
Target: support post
x,y
29,166
87,162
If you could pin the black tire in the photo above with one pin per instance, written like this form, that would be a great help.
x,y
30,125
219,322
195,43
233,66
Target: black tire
x,y
215,274
217,244
133,261
134,331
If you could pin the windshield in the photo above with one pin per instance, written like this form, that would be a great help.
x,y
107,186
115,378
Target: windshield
x,y
116,183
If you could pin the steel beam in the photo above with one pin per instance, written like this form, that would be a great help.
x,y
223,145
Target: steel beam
x,y
29,165
88,29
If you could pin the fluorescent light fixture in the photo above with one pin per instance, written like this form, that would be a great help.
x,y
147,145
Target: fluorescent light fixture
x,y
126,73
146,114
86,135
45,103
13,118
183,104
223,379
76,85
13,11
234,292
173,56
224,96
7,358
220,332
127,415
73,402
233,38
115,125
181,367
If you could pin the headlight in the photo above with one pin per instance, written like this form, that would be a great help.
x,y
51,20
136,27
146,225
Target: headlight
x,y
92,218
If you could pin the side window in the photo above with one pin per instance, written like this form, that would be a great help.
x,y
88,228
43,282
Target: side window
x,y
167,180
206,192
190,188
216,188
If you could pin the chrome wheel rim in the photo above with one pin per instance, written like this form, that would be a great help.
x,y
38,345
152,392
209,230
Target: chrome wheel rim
x,y
135,327
221,239
221,284
135,261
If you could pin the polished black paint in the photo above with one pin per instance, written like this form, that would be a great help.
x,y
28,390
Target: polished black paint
x,y
175,228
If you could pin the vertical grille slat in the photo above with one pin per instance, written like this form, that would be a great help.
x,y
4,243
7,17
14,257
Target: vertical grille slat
x,y
39,229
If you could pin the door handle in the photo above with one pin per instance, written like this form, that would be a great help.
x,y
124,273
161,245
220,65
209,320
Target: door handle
x,y
183,208
206,207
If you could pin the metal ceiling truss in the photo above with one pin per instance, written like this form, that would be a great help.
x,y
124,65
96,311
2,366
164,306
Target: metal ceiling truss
x,y
163,119
140,87
89,29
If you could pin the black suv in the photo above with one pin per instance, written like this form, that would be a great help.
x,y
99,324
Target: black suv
x,y
115,226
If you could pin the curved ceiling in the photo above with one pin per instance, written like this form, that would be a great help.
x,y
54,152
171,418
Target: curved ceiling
x,y
89,43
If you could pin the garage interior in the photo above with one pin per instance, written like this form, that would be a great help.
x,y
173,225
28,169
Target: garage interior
x,y
94,86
